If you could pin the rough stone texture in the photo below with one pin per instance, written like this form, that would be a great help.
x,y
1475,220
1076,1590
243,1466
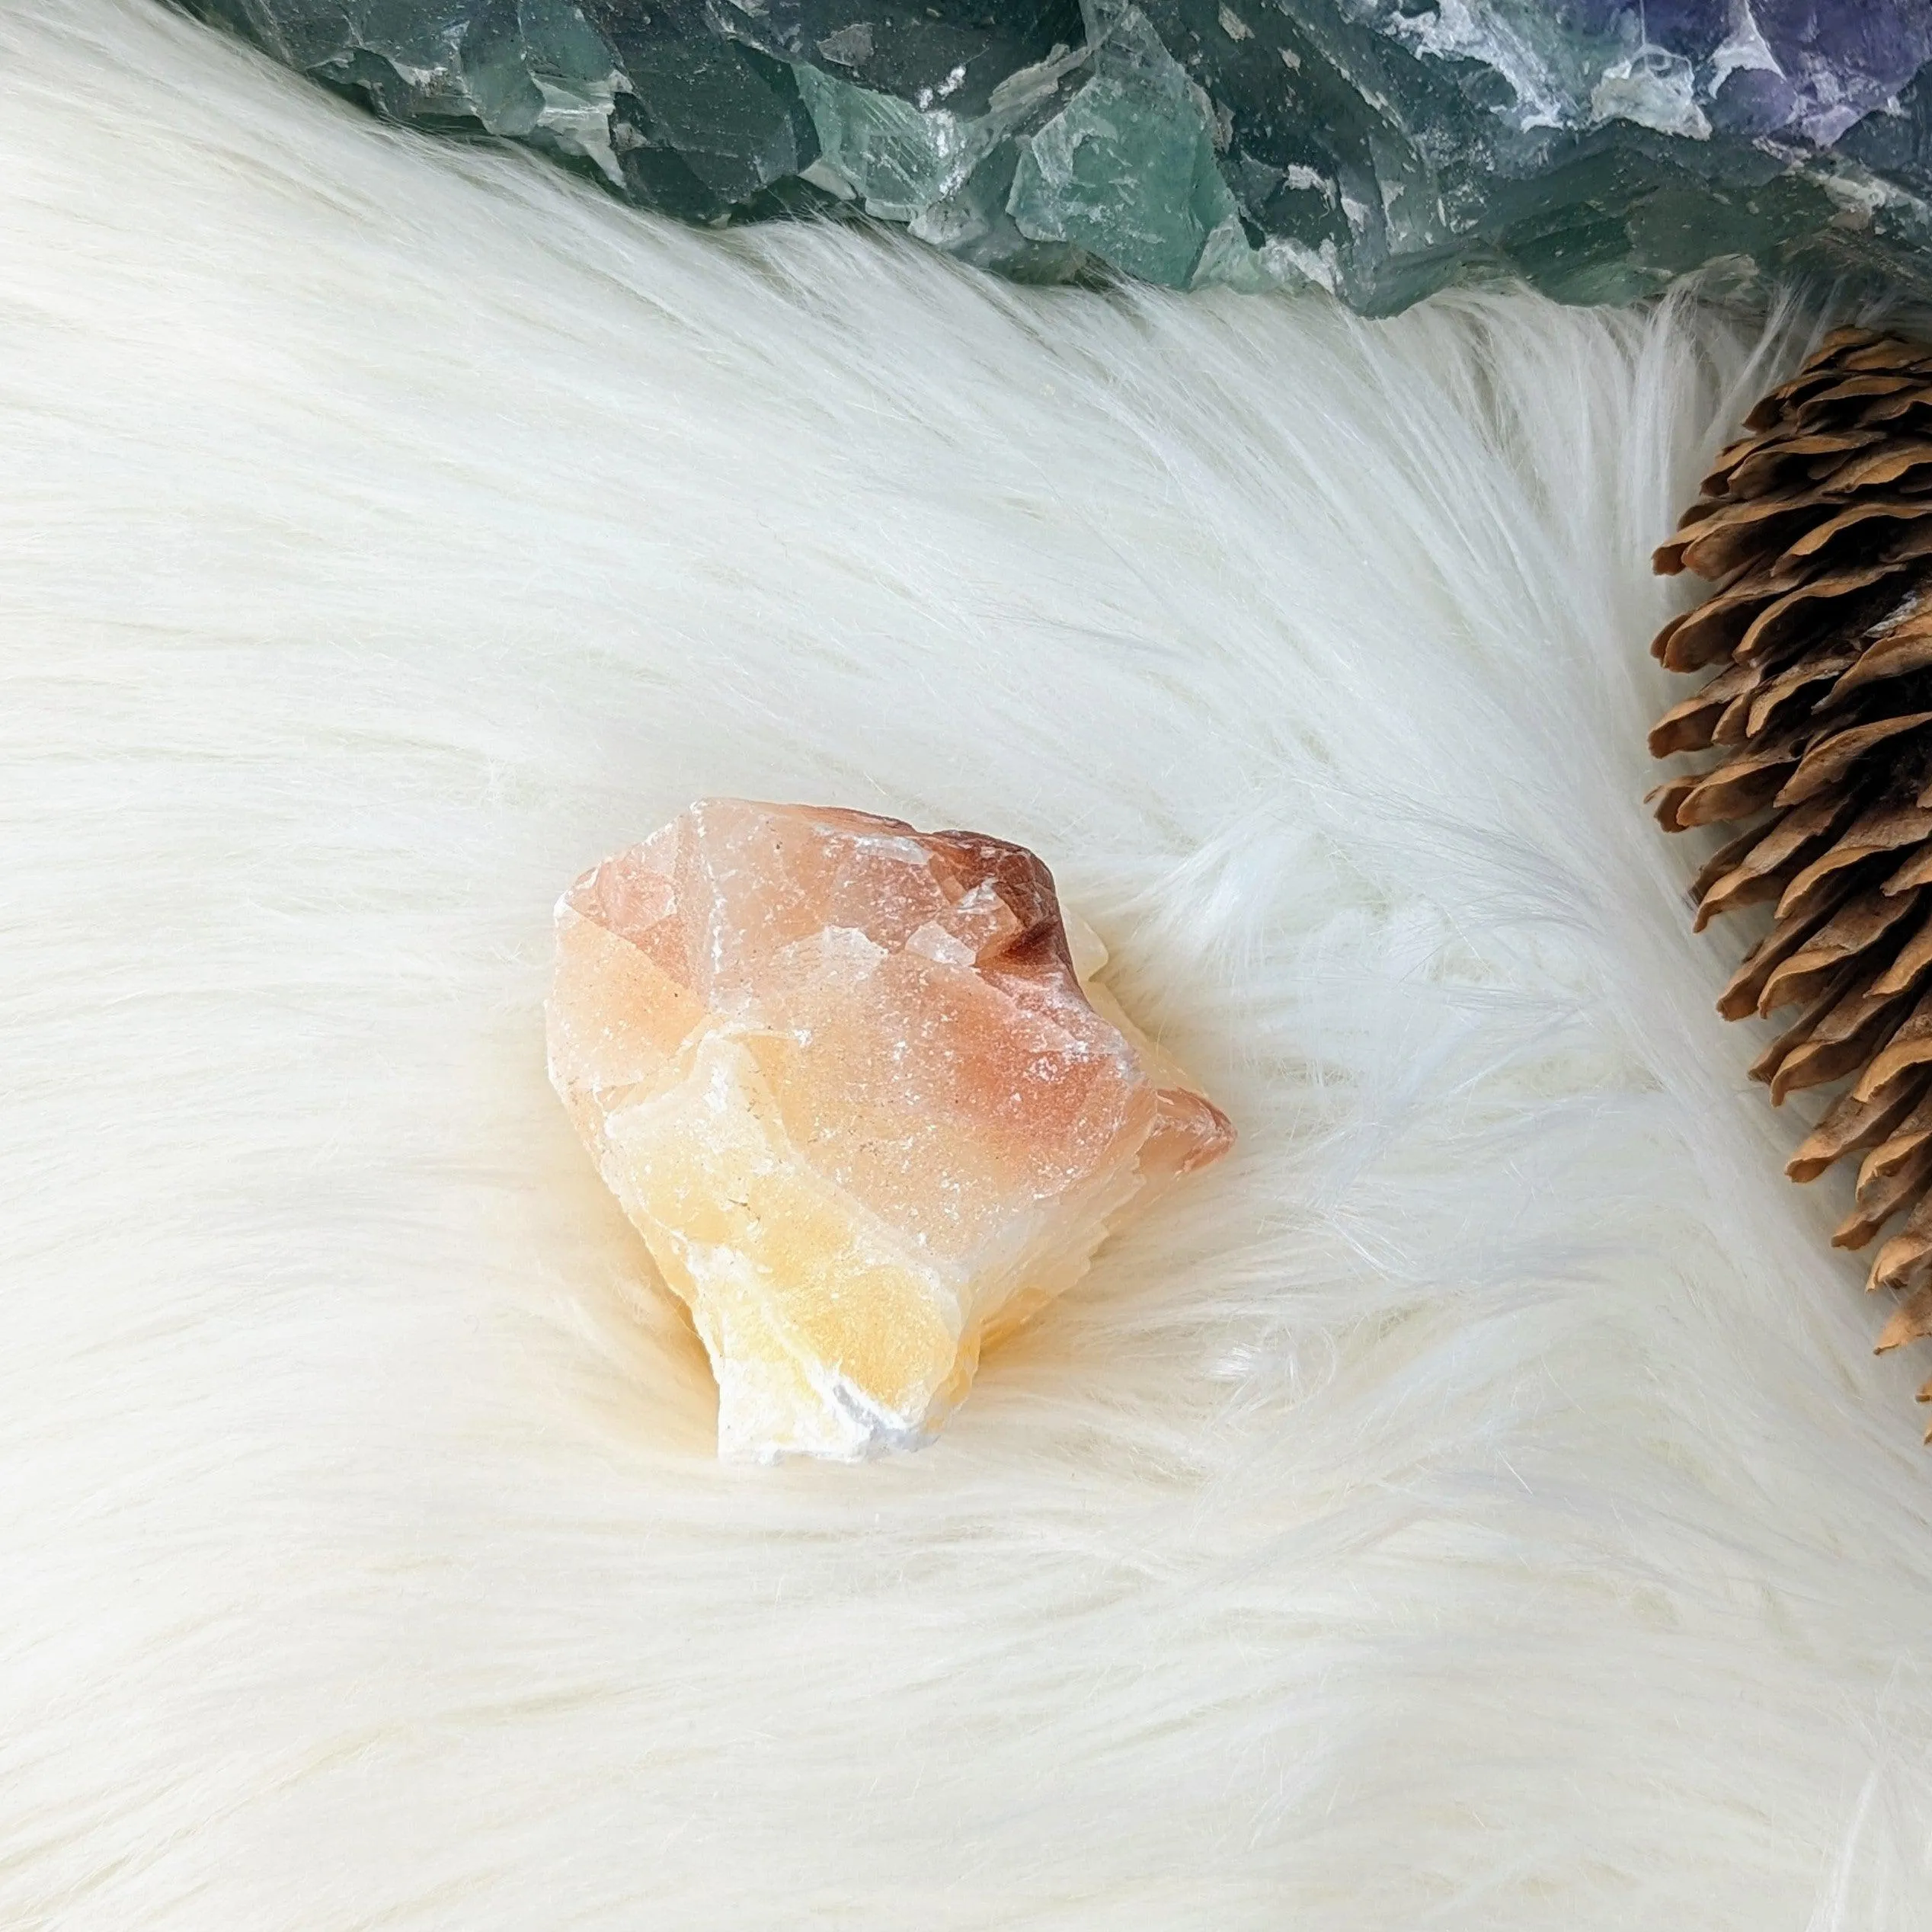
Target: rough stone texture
x,y
1379,147
847,1081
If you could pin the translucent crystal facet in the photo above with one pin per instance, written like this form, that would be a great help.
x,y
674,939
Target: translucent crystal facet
x,y
860,1090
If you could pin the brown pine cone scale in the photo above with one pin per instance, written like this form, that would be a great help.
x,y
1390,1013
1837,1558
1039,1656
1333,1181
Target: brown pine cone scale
x,y
1814,528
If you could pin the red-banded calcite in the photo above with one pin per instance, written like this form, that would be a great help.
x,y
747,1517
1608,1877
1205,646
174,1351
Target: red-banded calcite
x,y
858,1090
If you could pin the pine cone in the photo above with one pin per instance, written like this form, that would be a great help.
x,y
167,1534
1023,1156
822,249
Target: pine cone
x,y
1816,529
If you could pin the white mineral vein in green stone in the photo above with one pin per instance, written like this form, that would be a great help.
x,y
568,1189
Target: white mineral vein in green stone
x,y
1127,168
895,157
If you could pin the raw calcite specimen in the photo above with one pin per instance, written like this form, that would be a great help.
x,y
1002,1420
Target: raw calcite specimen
x,y
1379,147
865,1105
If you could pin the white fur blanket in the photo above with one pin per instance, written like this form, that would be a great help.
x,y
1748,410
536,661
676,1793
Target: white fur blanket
x,y
1475,1505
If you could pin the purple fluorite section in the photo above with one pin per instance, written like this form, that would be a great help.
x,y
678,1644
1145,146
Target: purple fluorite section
x,y
1812,67
1815,68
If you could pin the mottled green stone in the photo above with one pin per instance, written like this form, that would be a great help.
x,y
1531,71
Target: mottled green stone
x,y
1380,148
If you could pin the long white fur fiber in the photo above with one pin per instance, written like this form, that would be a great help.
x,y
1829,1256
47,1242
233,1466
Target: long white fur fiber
x,y
1474,1506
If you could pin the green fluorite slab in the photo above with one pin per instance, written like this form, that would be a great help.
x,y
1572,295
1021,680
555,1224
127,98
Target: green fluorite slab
x,y
1379,147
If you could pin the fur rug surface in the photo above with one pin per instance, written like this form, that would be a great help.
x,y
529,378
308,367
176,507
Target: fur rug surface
x,y
1473,1505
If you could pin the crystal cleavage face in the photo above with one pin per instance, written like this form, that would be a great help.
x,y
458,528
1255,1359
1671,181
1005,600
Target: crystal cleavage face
x,y
864,1098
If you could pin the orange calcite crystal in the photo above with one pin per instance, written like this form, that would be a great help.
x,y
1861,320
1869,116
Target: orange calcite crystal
x,y
859,1090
